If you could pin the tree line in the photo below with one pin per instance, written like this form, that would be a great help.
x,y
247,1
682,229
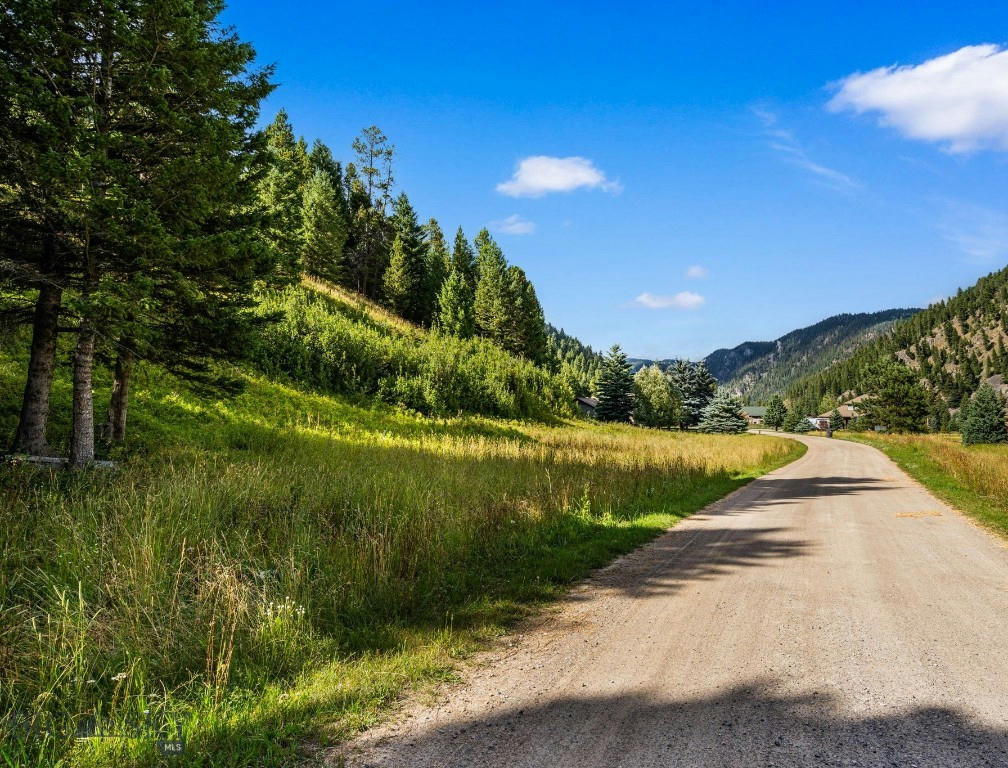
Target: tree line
x,y
683,395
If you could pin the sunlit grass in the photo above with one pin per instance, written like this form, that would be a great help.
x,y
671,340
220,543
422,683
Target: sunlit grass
x,y
273,570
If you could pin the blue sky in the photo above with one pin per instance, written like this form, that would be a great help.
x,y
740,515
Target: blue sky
x,y
671,178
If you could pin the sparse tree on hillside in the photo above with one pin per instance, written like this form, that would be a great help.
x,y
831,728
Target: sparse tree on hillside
x,y
723,415
984,419
655,402
776,412
404,276
615,386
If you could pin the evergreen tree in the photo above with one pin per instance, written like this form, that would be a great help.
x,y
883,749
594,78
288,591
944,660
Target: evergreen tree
x,y
723,415
655,401
158,216
526,335
898,401
282,193
695,386
398,282
491,302
369,188
836,420
794,420
436,266
463,260
984,418
455,306
776,412
616,383
323,231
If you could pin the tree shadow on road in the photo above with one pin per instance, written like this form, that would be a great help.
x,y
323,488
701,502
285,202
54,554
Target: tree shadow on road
x,y
750,725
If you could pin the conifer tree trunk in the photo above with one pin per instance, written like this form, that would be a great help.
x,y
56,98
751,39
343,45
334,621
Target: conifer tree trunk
x,y
120,397
30,437
82,443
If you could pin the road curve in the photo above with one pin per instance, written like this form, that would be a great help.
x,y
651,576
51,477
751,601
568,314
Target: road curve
x,y
830,613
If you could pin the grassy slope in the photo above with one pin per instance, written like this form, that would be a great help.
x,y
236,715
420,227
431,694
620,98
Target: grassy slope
x,y
973,479
280,566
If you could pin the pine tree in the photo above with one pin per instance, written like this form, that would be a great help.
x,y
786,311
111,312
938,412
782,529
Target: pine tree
x,y
984,418
158,214
655,402
526,326
776,412
407,263
463,260
898,401
723,415
491,302
323,231
455,307
437,263
282,193
695,386
616,383
398,282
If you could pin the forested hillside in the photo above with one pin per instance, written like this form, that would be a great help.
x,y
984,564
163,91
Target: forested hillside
x,y
758,369
578,364
954,346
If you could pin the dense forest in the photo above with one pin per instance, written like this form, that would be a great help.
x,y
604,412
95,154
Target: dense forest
x,y
953,346
757,369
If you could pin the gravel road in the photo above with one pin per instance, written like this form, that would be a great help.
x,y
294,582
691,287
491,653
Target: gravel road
x,y
830,613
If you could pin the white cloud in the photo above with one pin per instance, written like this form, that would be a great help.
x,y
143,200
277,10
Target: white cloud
x,y
696,272
785,142
681,300
513,225
960,99
539,175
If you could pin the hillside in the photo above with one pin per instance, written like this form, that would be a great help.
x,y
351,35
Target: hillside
x,y
758,369
339,342
954,345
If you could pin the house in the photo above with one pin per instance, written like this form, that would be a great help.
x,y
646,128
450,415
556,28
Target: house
x,y
587,406
848,412
754,413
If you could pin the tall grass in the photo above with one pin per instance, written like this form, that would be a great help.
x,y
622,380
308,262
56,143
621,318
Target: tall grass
x,y
278,566
973,478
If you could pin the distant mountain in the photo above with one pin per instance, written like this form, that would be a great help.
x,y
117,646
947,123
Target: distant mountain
x,y
758,369
955,345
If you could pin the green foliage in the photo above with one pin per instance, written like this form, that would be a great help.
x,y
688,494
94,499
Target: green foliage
x,y
984,418
492,310
723,414
695,386
437,264
326,343
655,402
405,276
776,412
577,363
898,401
455,306
794,421
323,231
615,388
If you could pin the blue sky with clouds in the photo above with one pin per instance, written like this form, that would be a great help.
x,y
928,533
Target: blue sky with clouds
x,y
678,179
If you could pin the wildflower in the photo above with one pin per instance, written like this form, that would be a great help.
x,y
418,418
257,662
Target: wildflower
x,y
118,678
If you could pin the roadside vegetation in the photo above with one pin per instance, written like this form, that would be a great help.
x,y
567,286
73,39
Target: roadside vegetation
x,y
971,478
281,565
